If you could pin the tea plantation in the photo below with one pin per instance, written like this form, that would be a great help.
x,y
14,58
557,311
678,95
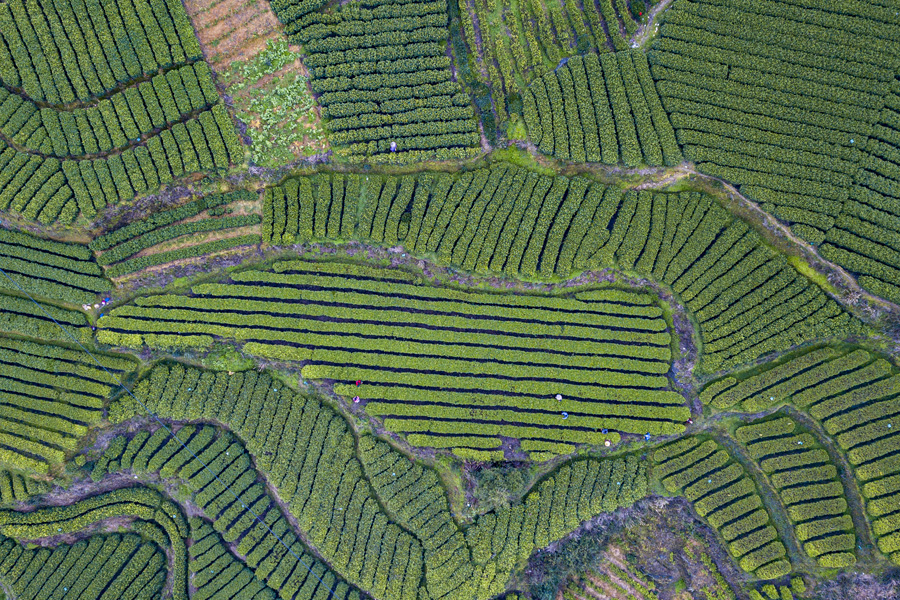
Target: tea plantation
x,y
449,299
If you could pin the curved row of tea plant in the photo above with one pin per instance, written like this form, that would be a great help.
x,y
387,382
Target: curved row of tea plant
x,y
109,567
517,43
601,109
725,495
167,526
123,126
329,479
44,268
49,397
799,106
802,473
234,510
748,300
853,394
381,74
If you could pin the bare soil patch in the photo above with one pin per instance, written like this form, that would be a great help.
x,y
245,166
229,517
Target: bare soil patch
x,y
233,30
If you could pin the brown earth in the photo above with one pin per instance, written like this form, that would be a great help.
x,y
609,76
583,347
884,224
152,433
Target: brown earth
x,y
233,29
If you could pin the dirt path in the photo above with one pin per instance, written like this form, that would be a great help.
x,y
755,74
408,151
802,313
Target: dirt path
x,y
647,30
771,501
867,550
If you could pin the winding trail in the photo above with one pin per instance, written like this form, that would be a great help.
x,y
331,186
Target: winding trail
x,y
646,31
867,550
772,502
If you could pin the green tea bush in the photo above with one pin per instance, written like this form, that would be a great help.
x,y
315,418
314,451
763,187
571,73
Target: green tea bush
x,y
615,350
122,564
634,130
724,494
50,397
807,129
811,492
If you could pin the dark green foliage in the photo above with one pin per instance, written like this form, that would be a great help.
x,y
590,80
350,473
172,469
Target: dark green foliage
x,y
79,52
139,502
797,113
380,72
122,565
853,394
636,131
49,396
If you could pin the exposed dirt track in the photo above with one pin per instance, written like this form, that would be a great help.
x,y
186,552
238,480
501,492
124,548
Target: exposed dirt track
x,y
646,30
866,549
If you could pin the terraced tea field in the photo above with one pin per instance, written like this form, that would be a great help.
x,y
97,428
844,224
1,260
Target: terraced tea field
x,y
466,300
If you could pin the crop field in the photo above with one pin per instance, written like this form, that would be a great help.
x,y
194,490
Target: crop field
x,y
801,471
515,42
452,367
602,108
100,110
724,494
799,112
449,300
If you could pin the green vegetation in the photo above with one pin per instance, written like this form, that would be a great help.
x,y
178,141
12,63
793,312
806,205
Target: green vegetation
x,y
125,566
802,113
808,486
572,115
852,393
383,80
275,103
141,503
486,319
125,140
14,487
49,397
62,272
491,364
747,298
724,494
353,480
524,40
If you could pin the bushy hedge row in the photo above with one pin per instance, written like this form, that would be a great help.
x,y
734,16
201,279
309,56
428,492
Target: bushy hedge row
x,y
304,448
122,565
50,396
15,487
83,49
133,246
575,492
20,316
747,298
812,495
199,250
800,127
217,573
207,141
128,116
727,498
335,486
853,394
166,217
140,502
369,56
35,186
472,351
64,272
621,122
